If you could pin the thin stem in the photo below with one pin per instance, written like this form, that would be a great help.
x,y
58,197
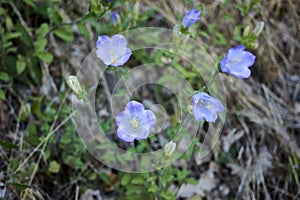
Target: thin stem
x,y
42,142
74,22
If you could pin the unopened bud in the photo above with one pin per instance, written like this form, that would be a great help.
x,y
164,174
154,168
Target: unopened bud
x,y
169,148
136,10
246,31
258,28
74,84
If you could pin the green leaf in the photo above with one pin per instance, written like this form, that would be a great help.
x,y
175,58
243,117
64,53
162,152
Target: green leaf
x,y
4,76
104,177
168,195
18,186
11,50
42,31
45,56
83,30
64,33
153,188
2,95
125,179
9,36
54,16
24,36
54,167
21,64
30,3
138,180
8,145
31,135
40,44
191,181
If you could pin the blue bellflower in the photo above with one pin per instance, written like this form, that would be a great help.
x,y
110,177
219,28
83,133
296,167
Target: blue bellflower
x,y
191,17
206,107
237,62
113,51
134,122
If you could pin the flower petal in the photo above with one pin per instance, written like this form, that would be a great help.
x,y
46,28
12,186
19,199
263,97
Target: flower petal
x,y
123,136
119,41
148,119
223,66
134,107
243,72
104,55
122,58
217,105
144,133
102,40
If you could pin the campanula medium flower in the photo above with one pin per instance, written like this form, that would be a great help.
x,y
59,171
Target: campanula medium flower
x,y
191,17
237,62
134,122
206,107
113,51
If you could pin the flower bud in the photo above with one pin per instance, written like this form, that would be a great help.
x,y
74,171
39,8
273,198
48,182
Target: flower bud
x,y
169,148
74,84
136,10
258,28
246,31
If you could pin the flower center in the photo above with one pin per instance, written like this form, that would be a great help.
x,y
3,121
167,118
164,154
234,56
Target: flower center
x,y
233,62
134,124
113,56
207,104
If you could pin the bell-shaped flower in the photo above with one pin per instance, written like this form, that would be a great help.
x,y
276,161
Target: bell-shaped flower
x,y
191,17
134,122
206,107
237,62
113,51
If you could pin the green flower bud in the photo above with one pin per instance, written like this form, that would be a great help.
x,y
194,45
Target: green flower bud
x,y
258,28
246,31
169,148
74,84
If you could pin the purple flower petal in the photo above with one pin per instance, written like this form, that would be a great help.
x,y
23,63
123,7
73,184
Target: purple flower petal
x,y
119,40
123,136
121,59
148,119
144,133
134,107
102,40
